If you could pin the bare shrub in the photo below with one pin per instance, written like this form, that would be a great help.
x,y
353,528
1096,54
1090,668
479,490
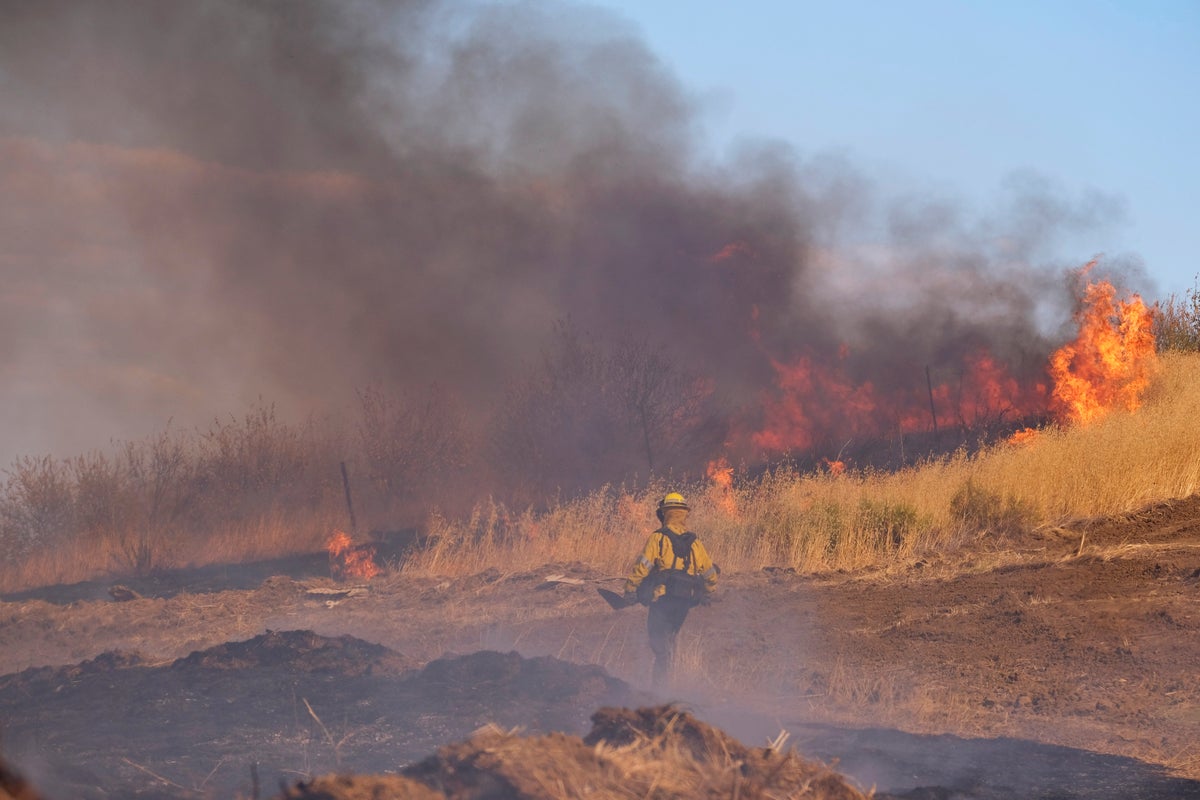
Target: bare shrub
x,y
590,415
1177,321
159,474
885,525
106,501
670,408
246,466
559,425
416,450
153,501
981,510
38,506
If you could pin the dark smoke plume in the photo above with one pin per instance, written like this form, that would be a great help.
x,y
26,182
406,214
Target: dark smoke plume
x,y
206,202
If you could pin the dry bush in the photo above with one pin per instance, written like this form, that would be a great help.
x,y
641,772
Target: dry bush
x,y
246,466
159,480
416,451
1118,464
244,488
1177,321
129,501
589,415
978,509
815,521
258,487
38,506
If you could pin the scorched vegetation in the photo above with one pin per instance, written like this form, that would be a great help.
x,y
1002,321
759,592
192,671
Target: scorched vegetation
x,y
260,487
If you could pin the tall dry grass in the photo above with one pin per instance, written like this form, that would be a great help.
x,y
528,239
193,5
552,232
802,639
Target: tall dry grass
x,y
242,489
257,488
813,522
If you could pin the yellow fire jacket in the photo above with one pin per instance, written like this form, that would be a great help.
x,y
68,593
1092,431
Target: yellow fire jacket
x,y
659,555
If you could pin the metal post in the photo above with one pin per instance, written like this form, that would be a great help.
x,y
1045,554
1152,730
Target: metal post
x,y
349,502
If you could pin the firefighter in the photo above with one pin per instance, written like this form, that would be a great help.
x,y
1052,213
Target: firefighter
x,y
673,573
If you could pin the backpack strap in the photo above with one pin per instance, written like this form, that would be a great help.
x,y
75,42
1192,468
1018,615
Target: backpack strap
x,y
681,546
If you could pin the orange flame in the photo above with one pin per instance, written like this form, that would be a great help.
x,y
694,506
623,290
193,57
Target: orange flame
x,y
836,468
1024,436
811,398
731,250
1109,364
348,560
814,399
818,401
721,475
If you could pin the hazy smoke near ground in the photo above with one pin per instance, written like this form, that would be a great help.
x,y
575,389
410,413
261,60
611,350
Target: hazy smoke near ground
x,y
207,202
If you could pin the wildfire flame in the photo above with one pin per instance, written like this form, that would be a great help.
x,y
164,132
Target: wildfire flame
x,y
1110,362
731,250
835,468
720,474
1024,436
348,560
819,399
814,399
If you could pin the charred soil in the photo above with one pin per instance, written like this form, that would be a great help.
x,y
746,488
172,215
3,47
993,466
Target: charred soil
x,y
1054,663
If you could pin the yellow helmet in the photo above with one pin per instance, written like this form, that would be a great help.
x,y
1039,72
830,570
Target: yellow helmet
x,y
671,500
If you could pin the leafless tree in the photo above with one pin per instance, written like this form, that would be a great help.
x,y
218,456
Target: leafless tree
x,y
590,415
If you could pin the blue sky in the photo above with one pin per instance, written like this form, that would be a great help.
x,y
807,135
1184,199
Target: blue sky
x,y
951,97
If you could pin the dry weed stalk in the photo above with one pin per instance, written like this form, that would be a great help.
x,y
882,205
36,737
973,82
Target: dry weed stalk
x,y
809,522
335,745
817,521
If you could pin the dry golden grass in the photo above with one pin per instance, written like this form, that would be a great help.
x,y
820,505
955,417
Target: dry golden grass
x,y
647,753
83,560
263,538
806,521
99,557
814,522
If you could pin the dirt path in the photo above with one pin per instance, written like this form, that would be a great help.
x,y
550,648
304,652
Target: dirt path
x,y
1085,637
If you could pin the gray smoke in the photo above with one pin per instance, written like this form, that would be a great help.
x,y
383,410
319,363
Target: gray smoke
x,y
202,203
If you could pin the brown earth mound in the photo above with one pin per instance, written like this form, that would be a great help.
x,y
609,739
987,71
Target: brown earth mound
x,y
280,705
659,752
362,787
301,651
37,678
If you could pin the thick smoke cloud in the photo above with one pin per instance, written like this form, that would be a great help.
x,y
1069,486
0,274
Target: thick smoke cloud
x,y
204,203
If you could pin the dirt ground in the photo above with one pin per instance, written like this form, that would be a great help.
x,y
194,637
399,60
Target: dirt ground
x,y
1059,663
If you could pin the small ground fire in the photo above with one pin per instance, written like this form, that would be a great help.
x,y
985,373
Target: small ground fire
x,y
350,561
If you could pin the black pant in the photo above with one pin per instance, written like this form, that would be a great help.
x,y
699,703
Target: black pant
x,y
663,623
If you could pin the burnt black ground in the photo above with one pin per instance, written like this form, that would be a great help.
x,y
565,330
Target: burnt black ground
x,y
174,582
297,704
294,703
1063,660
945,767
